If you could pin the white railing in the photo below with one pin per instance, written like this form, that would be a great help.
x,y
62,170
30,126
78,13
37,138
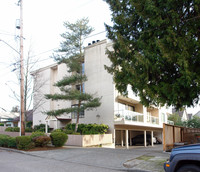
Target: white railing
x,y
127,115
170,122
153,120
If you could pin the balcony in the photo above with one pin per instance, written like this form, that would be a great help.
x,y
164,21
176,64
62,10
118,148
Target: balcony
x,y
153,120
170,122
130,116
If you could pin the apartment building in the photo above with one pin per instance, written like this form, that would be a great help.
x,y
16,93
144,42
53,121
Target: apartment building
x,y
125,116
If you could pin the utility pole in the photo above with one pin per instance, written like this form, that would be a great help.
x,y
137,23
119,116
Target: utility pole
x,y
22,128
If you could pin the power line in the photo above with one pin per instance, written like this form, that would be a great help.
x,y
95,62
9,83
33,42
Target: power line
x,y
7,34
46,52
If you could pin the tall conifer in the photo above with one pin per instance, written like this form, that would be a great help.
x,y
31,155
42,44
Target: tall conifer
x,y
156,50
72,86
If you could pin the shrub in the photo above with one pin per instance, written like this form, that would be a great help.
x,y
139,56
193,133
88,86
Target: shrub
x,y
87,128
24,142
29,124
16,129
58,139
3,142
9,129
70,127
36,134
1,124
69,131
57,130
28,130
11,142
40,128
12,129
41,141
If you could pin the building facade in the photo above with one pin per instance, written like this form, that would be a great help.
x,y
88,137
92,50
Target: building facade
x,y
125,116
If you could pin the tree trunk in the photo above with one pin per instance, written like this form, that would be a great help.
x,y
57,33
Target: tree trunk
x,y
77,121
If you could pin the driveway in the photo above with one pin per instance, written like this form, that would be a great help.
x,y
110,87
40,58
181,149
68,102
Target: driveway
x,y
85,159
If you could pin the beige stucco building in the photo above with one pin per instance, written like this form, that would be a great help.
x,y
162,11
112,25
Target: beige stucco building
x,y
125,116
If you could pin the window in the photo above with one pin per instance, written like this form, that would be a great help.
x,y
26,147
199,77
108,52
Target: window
x,y
74,114
83,68
78,87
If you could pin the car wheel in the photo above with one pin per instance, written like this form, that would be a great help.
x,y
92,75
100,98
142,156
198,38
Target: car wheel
x,y
189,168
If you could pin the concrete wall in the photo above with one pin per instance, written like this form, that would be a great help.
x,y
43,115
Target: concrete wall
x,y
99,84
88,140
44,84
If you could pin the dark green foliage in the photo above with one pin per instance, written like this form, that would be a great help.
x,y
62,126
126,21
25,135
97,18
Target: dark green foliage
x,y
41,141
7,141
28,130
156,50
40,127
87,128
1,124
29,124
58,139
57,130
176,119
70,126
69,131
12,143
12,129
24,142
36,134
194,122
71,53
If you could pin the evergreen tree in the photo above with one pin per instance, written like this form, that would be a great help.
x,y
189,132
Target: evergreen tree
x,y
72,87
156,50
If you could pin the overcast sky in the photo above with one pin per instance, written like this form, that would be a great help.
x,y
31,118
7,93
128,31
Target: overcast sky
x,y
43,24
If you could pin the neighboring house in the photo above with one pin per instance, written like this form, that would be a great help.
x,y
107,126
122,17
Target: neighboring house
x,y
125,116
8,117
29,118
183,114
197,114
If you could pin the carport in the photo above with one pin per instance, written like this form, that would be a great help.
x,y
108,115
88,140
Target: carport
x,y
125,133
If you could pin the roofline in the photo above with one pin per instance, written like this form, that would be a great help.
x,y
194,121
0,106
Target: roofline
x,y
96,43
44,68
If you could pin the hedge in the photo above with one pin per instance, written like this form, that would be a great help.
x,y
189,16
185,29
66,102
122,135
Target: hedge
x,y
24,142
36,134
87,128
41,141
7,141
58,139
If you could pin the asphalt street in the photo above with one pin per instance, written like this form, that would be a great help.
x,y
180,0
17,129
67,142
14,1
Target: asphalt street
x,y
82,160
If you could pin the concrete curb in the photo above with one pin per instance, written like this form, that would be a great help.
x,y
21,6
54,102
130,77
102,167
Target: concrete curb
x,y
13,150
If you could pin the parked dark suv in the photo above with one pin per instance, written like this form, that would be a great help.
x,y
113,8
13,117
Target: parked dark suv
x,y
184,159
139,139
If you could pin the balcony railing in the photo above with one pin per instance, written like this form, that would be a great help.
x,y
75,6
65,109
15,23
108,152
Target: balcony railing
x,y
153,120
170,122
127,115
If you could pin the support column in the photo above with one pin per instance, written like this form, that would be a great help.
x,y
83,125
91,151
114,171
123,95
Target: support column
x,y
151,138
130,138
145,114
122,138
145,139
46,127
56,124
114,136
126,139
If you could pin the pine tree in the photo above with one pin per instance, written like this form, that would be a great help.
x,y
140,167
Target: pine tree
x,y
72,87
156,50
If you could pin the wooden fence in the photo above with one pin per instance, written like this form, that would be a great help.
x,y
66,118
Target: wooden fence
x,y
176,135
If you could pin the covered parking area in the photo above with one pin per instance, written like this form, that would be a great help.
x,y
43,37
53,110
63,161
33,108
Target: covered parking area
x,y
125,135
